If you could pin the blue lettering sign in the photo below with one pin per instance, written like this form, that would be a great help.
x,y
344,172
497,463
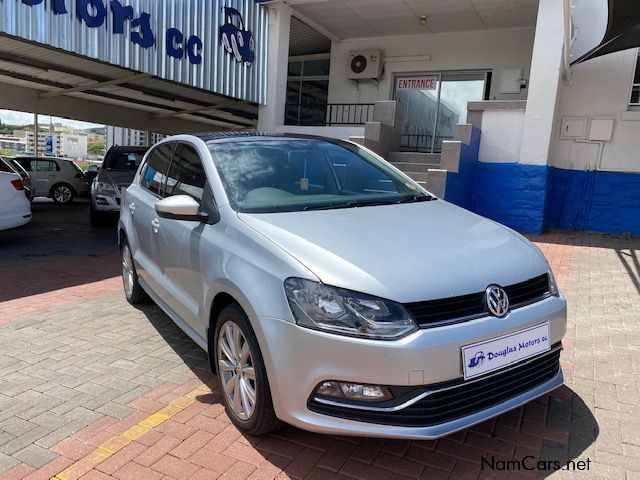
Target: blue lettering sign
x,y
174,43
94,18
59,7
120,15
194,47
145,37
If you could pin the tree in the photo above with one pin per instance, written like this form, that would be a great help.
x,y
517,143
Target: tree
x,y
96,148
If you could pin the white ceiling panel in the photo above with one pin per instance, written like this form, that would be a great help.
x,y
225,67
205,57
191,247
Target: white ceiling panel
x,y
368,18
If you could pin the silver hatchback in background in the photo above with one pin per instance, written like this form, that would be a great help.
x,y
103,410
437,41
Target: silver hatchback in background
x,y
115,175
333,293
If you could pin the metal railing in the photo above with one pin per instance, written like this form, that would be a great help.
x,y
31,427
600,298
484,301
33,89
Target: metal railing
x,y
419,140
328,114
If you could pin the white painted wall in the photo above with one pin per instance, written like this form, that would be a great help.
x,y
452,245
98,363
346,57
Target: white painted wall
x,y
501,137
600,87
489,50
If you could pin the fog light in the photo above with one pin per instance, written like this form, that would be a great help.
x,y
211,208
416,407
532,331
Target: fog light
x,y
354,391
101,201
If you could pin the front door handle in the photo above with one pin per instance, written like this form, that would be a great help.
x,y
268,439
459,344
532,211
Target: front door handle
x,y
132,208
155,224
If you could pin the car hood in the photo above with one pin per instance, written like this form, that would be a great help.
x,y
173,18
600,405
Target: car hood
x,y
410,252
121,178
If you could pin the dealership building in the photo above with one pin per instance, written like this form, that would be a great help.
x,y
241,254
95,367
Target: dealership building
x,y
512,109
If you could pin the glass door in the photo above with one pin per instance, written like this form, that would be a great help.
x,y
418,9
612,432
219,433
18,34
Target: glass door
x,y
433,104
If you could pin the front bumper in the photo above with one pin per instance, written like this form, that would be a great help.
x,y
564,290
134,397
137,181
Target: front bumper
x,y
298,359
105,203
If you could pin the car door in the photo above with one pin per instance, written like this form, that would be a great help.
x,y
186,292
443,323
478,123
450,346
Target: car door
x,y
44,176
180,242
140,201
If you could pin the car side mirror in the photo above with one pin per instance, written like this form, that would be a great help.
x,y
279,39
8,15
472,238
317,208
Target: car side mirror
x,y
181,207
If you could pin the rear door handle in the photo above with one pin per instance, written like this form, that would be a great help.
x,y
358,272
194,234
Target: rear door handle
x,y
155,224
132,208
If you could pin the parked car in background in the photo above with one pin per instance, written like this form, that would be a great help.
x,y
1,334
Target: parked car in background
x,y
56,178
13,164
15,208
115,175
333,293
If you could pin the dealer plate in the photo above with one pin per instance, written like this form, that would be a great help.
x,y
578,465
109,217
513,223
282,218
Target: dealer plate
x,y
500,352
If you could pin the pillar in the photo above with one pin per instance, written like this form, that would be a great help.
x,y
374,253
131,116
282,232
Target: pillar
x,y
271,115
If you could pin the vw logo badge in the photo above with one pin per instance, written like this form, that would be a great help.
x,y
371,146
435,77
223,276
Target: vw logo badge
x,y
497,300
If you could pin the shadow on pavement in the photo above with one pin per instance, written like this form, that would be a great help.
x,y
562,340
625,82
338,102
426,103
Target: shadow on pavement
x,y
56,250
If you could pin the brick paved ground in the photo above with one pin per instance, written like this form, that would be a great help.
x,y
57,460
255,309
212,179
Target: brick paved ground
x,y
93,388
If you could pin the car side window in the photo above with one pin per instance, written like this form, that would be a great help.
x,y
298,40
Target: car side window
x,y
4,167
154,174
44,166
26,164
186,175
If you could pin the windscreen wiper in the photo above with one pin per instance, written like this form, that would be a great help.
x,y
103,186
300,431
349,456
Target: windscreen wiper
x,y
418,198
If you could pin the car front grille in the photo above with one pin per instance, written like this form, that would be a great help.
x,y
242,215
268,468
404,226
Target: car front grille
x,y
456,399
435,313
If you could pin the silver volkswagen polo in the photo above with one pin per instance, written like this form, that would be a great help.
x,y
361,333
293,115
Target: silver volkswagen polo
x,y
333,293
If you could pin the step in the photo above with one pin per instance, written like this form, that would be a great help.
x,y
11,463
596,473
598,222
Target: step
x,y
414,157
417,176
415,167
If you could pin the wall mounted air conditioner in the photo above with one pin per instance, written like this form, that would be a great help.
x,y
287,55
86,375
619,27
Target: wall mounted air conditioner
x,y
366,64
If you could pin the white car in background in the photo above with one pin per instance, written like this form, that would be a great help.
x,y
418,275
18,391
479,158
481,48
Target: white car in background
x,y
15,208
56,178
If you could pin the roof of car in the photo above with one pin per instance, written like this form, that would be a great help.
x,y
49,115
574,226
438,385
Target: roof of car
x,y
128,148
43,158
229,136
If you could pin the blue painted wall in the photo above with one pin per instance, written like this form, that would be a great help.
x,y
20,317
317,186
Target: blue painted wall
x,y
459,185
512,194
594,201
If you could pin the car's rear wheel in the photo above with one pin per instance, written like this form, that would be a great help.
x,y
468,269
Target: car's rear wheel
x,y
132,289
242,374
63,193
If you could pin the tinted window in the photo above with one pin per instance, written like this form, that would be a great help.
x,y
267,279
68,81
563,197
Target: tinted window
x,y
186,175
292,175
122,160
26,163
155,172
44,166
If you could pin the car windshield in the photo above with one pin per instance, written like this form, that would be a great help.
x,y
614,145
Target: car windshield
x,y
123,160
265,176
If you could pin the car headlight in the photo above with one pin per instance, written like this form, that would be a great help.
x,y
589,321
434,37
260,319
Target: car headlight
x,y
344,312
104,187
553,286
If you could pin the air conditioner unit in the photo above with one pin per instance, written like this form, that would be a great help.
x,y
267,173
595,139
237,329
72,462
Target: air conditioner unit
x,y
366,64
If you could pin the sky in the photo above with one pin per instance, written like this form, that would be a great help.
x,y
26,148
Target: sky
x,y
21,118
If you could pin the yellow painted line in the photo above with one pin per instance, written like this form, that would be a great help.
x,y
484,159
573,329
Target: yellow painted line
x,y
118,442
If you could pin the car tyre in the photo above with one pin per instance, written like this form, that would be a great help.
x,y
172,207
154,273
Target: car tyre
x,y
63,193
132,289
242,375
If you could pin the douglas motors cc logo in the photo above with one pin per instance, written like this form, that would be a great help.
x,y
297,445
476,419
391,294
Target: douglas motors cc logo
x,y
236,40
477,360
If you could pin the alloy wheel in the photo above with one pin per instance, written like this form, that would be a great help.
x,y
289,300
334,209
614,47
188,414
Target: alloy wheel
x,y
62,194
237,372
128,272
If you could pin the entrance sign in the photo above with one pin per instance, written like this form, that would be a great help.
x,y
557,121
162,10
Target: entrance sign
x,y
429,82
177,40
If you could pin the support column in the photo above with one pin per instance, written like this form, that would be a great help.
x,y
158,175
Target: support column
x,y
545,82
271,115
515,193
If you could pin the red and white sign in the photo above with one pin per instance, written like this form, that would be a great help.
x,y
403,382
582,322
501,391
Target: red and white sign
x,y
417,83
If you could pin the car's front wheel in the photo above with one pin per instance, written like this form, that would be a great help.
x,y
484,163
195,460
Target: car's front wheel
x,y
132,289
63,193
242,374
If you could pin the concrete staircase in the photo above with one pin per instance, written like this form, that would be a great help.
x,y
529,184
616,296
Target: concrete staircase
x,y
428,169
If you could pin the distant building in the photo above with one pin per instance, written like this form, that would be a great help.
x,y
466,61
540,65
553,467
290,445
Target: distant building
x,y
15,144
128,136
67,142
